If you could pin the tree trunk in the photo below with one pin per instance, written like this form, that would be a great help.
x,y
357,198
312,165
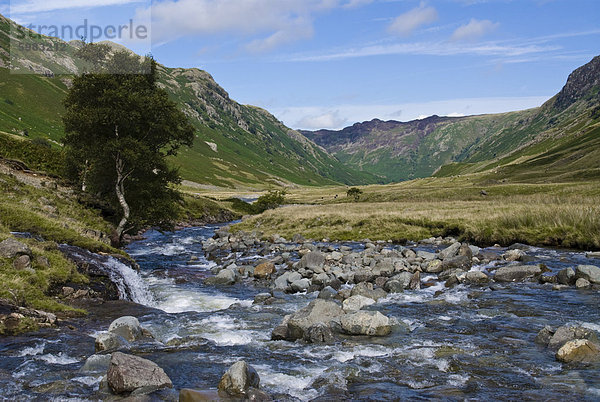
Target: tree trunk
x,y
120,191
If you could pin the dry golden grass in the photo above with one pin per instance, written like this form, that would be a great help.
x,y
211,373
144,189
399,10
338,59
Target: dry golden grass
x,y
565,215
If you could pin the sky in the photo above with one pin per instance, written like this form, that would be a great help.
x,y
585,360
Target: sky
x,y
331,63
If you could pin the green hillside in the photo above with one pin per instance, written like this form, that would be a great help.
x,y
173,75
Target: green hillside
x,y
236,145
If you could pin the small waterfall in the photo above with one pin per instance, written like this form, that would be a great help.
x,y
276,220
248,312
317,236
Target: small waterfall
x,y
129,283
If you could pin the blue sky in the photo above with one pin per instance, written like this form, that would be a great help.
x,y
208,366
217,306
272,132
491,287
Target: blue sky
x,y
330,63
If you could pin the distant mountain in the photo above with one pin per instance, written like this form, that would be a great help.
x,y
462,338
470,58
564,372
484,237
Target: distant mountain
x,y
399,151
235,145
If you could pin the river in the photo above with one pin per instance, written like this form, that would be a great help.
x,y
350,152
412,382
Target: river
x,y
447,344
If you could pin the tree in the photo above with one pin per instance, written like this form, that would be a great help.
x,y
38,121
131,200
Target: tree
x,y
120,129
354,192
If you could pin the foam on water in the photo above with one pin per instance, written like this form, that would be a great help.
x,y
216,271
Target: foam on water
x,y
60,358
295,385
225,331
171,298
361,351
34,350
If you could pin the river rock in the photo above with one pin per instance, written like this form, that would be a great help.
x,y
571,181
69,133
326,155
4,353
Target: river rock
x,y
543,337
579,351
465,250
593,254
366,289
434,267
11,248
415,281
327,293
590,273
127,327
320,279
516,273
564,334
261,298
582,283
110,342
264,270
301,285
451,251
476,277
461,262
224,277
566,276
238,379
313,260
318,311
425,255
133,374
514,255
371,323
357,302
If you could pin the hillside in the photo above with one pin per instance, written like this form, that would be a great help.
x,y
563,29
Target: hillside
x,y
401,151
236,145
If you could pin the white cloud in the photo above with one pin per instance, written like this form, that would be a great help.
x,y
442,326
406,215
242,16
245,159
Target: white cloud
x,y
430,49
271,23
338,117
38,6
406,23
474,30
328,119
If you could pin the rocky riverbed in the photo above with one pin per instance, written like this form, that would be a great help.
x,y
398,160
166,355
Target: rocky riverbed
x,y
324,320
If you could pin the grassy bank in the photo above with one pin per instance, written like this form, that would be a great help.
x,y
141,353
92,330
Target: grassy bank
x,y
562,215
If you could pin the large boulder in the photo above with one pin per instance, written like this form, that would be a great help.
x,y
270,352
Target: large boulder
x,y
590,273
264,270
238,379
135,375
318,311
579,351
517,273
127,327
357,302
371,323
11,248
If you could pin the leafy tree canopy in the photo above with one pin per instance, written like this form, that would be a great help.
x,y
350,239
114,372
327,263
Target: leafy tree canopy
x,y
120,129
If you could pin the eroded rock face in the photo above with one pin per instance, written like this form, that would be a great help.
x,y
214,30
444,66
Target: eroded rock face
x,y
579,351
133,374
371,323
238,379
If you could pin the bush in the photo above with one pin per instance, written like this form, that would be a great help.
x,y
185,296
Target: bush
x,y
271,200
354,192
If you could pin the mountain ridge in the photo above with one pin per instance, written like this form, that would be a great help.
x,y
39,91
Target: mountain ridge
x,y
236,145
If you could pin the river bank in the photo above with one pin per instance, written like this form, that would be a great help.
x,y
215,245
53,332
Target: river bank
x,y
465,341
